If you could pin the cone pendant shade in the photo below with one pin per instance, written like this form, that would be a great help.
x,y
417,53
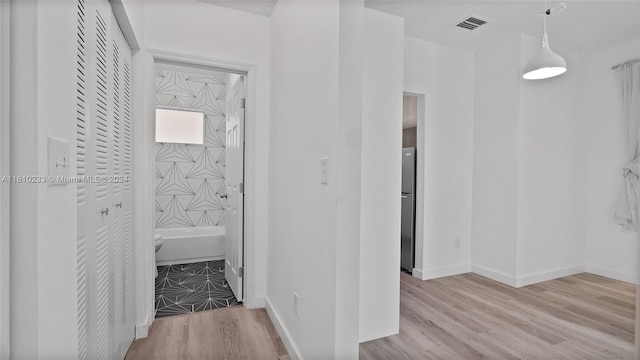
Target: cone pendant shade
x,y
546,64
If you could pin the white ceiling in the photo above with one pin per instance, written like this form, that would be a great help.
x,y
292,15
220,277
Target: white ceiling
x,y
260,7
583,26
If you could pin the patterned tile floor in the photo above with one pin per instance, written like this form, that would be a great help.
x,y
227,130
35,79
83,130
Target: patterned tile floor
x,y
187,288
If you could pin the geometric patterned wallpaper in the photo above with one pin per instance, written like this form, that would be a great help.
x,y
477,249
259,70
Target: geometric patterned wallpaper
x,y
190,178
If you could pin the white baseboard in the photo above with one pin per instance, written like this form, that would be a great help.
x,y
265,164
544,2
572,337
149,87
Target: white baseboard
x,y
494,275
294,353
527,279
441,272
611,273
417,273
254,303
548,275
142,330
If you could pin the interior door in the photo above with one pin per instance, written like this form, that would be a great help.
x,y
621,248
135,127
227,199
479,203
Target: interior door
x,y
121,195
102,224
126,207
234,259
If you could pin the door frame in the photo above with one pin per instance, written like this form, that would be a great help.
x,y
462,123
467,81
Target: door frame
x,y
251,226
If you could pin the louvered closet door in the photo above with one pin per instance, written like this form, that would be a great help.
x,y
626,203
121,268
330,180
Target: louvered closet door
x,y
86,328
127,193
121,191
103,121
105,219
91,223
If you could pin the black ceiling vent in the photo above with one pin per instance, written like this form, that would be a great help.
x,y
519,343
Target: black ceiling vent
x,y
472,23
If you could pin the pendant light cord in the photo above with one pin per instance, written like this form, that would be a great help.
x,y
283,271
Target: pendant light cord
x,y
547,11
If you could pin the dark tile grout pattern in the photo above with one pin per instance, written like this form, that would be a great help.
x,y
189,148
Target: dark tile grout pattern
x,y
187,288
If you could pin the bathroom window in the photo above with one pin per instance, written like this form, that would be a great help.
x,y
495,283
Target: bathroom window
x,y
179,126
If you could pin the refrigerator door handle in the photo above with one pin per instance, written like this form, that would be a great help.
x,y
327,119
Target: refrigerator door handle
x,y
403,196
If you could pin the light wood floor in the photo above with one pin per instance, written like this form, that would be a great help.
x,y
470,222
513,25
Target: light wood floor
x,y
471,317
229,333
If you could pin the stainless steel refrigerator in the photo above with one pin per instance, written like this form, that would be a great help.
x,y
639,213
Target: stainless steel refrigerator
x,y
408,216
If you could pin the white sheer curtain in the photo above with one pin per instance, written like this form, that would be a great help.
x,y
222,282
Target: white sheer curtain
x,y
627,205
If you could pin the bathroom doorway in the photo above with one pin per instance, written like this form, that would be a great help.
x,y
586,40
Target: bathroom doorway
x,y
199,187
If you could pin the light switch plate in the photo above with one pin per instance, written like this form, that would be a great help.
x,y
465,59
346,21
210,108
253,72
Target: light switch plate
x,y
324,170
59,161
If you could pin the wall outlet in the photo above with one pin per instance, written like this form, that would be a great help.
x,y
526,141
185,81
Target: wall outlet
x,y
296,297
456,242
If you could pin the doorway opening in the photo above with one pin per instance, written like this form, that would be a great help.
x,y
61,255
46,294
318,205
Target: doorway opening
x,y
408,192
199,187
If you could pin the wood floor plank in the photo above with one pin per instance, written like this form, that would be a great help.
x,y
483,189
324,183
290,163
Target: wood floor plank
x,y
230,333
468,316
263,318
390,348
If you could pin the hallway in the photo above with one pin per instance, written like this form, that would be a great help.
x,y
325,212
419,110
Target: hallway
x,y
230,333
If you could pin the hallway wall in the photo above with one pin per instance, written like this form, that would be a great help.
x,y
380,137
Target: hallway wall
x,y
381,175
43,230
302,211
325,246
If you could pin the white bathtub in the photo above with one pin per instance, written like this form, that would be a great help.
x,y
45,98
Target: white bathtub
x,y
187,245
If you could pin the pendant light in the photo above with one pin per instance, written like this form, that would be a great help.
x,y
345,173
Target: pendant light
x,y
547,63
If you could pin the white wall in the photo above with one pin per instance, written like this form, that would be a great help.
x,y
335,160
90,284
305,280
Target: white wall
x,y
143,170
551,171
529,167
5,95
445,76
349,150
56,208
381,175
198,30
610,251
495,166
302,212
23,297
43,231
